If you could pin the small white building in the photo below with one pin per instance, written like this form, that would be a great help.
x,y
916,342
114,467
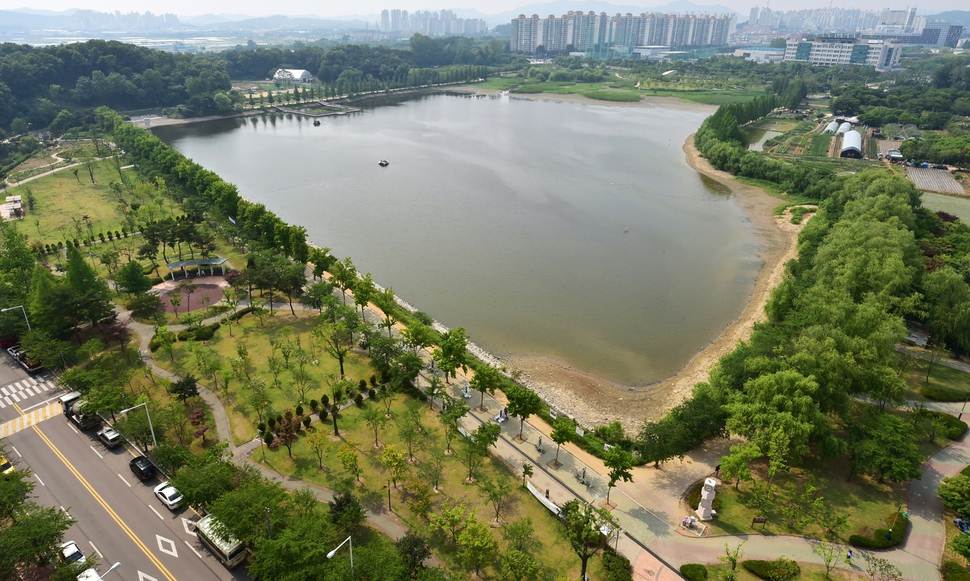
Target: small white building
x,y
293,75
12,208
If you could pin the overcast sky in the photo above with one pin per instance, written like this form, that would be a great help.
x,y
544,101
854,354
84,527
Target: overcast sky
x,y
331,8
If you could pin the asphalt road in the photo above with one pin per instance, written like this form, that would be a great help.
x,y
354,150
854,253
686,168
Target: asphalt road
x,y
118,518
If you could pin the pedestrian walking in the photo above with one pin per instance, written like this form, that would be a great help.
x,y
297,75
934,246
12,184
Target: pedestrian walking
x,y
717,470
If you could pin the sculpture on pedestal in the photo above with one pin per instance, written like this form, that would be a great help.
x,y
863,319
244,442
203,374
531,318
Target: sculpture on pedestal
x,y
705,509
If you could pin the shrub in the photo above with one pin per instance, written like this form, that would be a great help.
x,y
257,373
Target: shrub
x,y
306,422
362,385
616,567
953,571
241,313
299,409
884,538
359,400
372,393
955,428
272,423
314,405
325,400
322,414
694,572
776,570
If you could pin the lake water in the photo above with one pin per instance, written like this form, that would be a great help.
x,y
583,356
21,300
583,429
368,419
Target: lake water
x,y
569,230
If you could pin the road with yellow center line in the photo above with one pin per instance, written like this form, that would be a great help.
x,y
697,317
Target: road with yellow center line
x,y
97,497
26,420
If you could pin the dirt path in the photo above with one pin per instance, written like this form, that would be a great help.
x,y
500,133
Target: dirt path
x,y
594,400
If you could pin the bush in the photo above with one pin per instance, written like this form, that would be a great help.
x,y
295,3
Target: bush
x,y
616,567
776,570
955,428
359,400
884,538
372,393
694,572
952,571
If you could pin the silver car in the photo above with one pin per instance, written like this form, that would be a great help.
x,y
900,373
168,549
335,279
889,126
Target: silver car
x,y
169,495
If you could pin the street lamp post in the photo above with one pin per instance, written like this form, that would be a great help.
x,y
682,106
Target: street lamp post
x,y
337,548
148,415
22,309
110,569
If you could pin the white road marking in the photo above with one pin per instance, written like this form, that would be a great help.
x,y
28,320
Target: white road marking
x,y
4,390
3,404
98,453
16,451
73,429
192,548
125,481
100,556
29,391
38,479
188,526
65,511
145,577
160,517
15,397
166,546
37,405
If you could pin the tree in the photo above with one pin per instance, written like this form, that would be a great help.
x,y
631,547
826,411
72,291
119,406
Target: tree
x,y
410,432
452,352
31,538
476,545
497,492
737,463
582,524
105,398
348,459
318,294
829,553
91,298
451,414
204,479
888,450
516,565
376,419
418,336
184,388
337,340
286,431
477,447
527,472
562,432
131,278
319,443
434,467
394,463
364,292
386,300
486,379
620,463
207,363
523,402
879,568
346,512
296,552
252,510
732,556
413,549
955,493
344,275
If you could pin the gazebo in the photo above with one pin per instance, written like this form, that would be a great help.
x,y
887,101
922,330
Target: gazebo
x,y
200,263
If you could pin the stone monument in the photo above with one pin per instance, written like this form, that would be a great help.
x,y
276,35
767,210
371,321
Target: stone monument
x,y
705,509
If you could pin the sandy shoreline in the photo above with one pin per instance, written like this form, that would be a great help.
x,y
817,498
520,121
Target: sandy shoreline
x,y
594,400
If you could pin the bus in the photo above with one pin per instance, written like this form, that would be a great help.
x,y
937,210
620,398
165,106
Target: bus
x,y
229,551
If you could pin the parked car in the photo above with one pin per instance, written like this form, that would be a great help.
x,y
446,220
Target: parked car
x,y
18,353
5,466
109,437
143,468
169,495
71,553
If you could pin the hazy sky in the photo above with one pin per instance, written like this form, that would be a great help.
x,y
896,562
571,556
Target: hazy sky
x,y
369,7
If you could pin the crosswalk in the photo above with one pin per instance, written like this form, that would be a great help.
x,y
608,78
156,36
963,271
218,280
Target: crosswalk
x,y
33,417
24,389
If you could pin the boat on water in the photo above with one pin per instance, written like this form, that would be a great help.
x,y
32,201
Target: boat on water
x,y
383,163
316,123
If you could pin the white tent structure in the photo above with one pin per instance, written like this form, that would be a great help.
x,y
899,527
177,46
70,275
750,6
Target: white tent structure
x,y
851,144
293,75
846,126
832,127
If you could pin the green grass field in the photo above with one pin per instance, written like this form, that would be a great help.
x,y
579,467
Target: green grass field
x,y
618,90
945,383
355,433
820,145
66,207
322,369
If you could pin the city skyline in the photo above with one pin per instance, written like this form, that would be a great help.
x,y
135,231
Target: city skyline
x,y
371,9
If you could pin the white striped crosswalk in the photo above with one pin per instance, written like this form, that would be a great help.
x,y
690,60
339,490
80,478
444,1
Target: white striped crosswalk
x,y
24,389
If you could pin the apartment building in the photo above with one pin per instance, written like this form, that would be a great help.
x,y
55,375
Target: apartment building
x,y
843,50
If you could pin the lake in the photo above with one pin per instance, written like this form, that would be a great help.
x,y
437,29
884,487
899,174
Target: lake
x,y
566,230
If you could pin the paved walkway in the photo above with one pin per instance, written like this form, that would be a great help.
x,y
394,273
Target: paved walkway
x,y
927,356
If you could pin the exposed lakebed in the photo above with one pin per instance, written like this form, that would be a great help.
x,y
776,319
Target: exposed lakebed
x,y
565,230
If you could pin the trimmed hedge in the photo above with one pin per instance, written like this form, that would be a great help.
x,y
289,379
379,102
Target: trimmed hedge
x,y
884,538
694,572
955,428
616,567
776,570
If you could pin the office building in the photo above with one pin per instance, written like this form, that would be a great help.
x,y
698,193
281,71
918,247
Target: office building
x,y
843,50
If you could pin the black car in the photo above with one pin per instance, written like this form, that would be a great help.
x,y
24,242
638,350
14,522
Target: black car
x,y
143,468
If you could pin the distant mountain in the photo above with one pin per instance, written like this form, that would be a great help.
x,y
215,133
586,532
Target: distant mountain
x,y
86,20
562,6
953,17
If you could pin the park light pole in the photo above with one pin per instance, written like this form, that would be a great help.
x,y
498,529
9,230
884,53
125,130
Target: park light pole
x,y
148,415
22,309
337,548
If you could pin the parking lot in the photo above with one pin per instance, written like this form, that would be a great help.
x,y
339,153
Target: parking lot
x,y
934,180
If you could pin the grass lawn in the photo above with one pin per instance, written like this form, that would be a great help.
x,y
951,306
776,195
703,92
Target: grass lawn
x,y
66,209
866,503
555,553
810,571
946,384
321,370
618,90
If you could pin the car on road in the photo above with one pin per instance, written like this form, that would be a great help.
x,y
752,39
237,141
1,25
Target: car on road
x,y
109,437
71,553
5,466
169,495
18,353
143,468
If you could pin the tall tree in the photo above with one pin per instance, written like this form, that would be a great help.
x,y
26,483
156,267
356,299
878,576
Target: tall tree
x,y
91,298
582,524
523,402
620,464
